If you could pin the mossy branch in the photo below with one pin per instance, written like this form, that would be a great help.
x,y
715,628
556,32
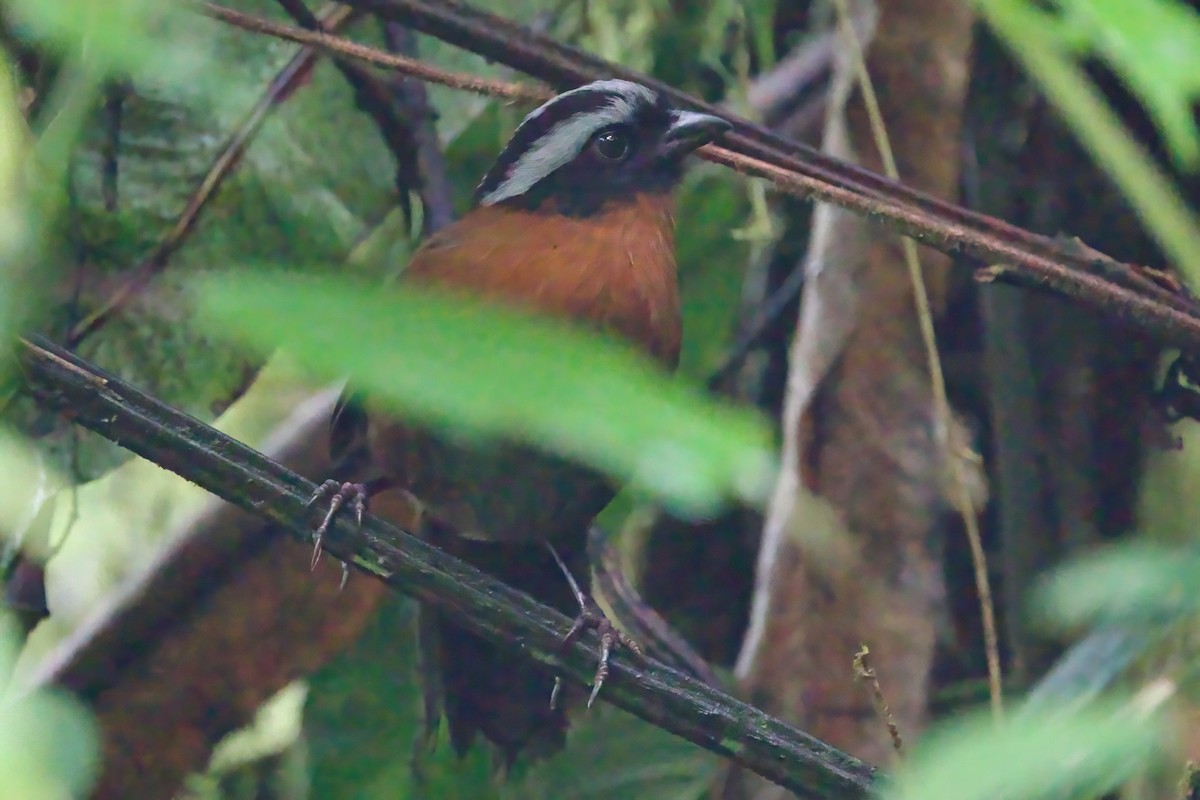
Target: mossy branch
x,y
238,474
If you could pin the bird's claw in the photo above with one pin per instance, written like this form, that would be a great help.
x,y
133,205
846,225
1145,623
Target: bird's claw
x,y
592,617
340,495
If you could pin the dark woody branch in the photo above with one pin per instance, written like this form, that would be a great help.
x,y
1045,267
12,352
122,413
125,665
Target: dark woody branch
x,y
1141,299
246,478
224,615
1063,266
931,220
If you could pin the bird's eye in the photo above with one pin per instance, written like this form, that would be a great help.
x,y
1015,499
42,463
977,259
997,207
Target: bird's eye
x,y
612,145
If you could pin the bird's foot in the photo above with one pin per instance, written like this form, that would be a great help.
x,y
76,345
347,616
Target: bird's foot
x,y
340,495
592,617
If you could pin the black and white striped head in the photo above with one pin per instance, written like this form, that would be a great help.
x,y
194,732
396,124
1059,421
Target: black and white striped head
x,y
605,141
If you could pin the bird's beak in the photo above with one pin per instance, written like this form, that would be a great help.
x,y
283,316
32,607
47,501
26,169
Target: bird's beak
x,y
690,130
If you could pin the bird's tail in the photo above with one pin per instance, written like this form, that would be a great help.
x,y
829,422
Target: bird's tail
x,y
484,689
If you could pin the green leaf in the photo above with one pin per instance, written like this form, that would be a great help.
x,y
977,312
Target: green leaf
x,y
480,371
119,36
1045,754
307,190
15,233
1125,584
1154,45
1042,43
49,746
442,775
26,481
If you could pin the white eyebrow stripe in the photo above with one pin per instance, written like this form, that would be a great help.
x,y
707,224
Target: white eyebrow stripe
x,y
615,86
562,143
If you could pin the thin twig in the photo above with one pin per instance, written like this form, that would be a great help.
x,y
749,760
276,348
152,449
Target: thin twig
x,y
378,58
1018,256
482,605
798,167
942,224
864,672
280,89
1161,321
943,417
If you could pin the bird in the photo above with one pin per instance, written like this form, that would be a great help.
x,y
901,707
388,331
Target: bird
x,y
574,221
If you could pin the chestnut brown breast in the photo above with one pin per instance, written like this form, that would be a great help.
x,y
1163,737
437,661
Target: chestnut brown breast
x,y
614,272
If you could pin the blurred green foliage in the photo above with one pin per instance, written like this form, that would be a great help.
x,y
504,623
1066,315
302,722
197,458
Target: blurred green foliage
x,y
309,193
14,228
124,38
1051,753
48,744
315,192
476,369
1135,583
1154,45
307,189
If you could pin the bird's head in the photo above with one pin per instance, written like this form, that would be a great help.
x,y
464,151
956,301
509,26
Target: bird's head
x,y
606,141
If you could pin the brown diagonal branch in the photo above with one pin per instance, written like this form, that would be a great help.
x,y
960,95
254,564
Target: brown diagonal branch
x,y
1083,275
946,226
1176,323
236,473
370,55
